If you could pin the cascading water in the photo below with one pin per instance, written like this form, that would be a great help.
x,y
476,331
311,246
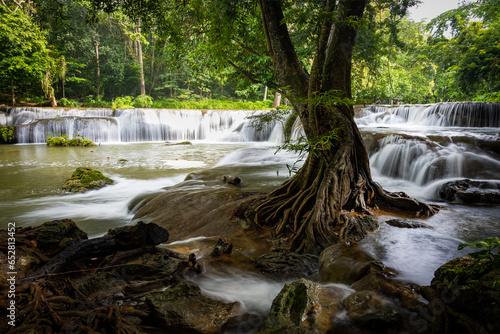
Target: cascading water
x,y
418,149
34,125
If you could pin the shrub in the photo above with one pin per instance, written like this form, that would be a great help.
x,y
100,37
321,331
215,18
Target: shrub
x,y
64,102
143,101
122,102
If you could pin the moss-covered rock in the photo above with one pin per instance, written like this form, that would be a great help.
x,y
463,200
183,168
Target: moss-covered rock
x,y
183,309
306,306
84,179
53,236
472,287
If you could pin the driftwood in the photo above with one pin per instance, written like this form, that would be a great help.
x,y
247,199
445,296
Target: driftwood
x,y
120,239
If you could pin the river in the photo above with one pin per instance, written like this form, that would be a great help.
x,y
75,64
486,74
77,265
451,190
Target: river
x,y
414,149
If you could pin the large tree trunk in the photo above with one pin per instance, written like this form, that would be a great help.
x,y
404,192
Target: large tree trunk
x,y
322,203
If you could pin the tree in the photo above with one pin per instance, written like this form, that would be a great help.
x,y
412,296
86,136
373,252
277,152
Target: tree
x,y
24,57
315,206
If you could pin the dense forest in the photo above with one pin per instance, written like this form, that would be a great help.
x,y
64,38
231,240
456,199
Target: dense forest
x,y
74,53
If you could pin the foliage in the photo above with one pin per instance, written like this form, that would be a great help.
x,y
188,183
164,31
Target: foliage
x,y
63,140
122,102
143,101
64,102
305,146
7,133
488,246
24,55
212,104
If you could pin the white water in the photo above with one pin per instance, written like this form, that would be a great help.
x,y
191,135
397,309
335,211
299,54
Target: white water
x,y
34,125
412,149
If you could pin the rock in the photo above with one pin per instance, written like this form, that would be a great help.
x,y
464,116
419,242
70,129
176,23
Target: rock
x,y
471,287
184,309
84,179
470,191
223,247
139,234
53,236
343,264
368,309
405,223
233,180
288,264
305,306
169,143
378,281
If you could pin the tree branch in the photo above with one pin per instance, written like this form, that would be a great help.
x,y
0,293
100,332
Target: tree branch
x,y
288,71
337,69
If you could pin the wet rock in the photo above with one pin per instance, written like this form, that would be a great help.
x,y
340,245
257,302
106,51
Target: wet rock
x,y
470,289
379,280
223,247
53,236
233,180
405,223
139,234
368,309
84,179
343,264
187,142
184,309
306,306
470,191
288,264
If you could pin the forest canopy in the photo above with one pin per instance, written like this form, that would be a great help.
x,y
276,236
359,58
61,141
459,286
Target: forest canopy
x,y
94,52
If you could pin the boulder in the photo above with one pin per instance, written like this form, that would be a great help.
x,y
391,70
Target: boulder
x,y
53,236
84,179
470,287
370,310
306,307
184,309
470,191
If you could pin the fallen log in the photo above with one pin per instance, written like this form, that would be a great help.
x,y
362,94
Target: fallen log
x,y
120,239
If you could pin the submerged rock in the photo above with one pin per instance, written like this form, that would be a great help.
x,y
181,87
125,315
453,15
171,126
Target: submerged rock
x,y
184,309
187,142
288,264
233,180
368,309
84,179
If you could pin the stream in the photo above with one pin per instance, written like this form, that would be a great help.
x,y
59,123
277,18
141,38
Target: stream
x,y
414,149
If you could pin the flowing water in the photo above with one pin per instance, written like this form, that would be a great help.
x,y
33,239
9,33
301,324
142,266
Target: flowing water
x,y
414,149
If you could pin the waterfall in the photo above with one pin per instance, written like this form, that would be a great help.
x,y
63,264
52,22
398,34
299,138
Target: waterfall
x,y
136,125
457,114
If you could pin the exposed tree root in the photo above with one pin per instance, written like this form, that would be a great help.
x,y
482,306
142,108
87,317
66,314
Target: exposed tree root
x,y
325,202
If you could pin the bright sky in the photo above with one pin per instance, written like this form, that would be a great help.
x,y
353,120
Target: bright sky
x,y
429,9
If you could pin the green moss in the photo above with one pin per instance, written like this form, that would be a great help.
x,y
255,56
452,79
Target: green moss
x,y
62,140
86,178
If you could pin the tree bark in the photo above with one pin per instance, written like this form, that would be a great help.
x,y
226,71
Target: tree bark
x,y
13,95
321,204
98,90
141,64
